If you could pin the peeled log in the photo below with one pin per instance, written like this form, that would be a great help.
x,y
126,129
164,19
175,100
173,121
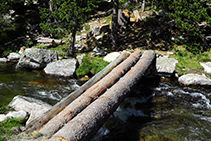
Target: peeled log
x,y
85,124
89,95
37,123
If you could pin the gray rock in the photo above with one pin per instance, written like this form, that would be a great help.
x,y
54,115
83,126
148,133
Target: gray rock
x,y
33,106
79,38
13,56
34,58
99,52
3,60
16,129
18,114
80,58
65,67
111,56
79,47
3,117
165,66
194,79
207,66
98,29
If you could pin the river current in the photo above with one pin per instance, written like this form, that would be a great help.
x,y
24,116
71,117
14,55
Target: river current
x,y
155,110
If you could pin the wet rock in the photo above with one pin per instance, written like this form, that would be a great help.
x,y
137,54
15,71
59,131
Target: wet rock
x,y
18,114
99,52
194,79
34,58
13,56
3,117
165,66
207,66
111,56
3,60
65,67
33,106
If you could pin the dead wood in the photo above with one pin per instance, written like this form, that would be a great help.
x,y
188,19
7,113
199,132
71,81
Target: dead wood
x,y
46,40
89,95
85,124
39,122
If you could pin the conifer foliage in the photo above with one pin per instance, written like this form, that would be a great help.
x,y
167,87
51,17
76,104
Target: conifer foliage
x,y
64,16
188,15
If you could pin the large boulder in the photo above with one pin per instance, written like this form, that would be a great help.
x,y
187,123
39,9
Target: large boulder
x,y
32,106
34,58
194,79
65,67
18,114
165,66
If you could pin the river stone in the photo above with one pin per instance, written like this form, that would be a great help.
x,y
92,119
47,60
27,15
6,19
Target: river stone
x,y
65,67
165,66
33,106
3,117
34,58
13,56
18,114
194,79
111,56
99,52
207,66
3,60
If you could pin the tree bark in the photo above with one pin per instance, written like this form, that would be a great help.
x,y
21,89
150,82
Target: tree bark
x,y
85,124
72,44
89,95
37,123
114,30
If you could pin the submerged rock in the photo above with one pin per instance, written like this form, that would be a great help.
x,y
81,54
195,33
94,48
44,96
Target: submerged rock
x,y
166,66
194,79
65,67
34,58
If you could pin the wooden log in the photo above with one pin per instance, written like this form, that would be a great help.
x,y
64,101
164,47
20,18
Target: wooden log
x,y
85,124
46,40
89,95
37,123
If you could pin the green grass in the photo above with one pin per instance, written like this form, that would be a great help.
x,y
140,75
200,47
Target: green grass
x,y
91,64
188,62
5,126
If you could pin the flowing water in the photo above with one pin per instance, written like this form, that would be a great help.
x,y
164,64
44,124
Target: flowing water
x,y
155,111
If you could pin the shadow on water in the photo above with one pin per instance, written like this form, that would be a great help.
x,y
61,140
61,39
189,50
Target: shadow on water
x,y
135,111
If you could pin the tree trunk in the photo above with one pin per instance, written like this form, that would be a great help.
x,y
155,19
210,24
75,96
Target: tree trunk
x,y
143,6
89,95
37,123
85,124
72,44
114,30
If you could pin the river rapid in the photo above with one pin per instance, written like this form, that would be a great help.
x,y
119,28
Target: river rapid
x,y
156,109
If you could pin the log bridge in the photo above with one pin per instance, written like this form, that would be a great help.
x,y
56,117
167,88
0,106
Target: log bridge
x,y
78,116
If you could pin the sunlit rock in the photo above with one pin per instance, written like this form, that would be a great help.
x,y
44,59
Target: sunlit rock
x,y
165,66
207,66
65,67
194,79
111,56
13,56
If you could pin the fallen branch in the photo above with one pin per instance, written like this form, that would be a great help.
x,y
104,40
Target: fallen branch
x,y
37,123
85,124
89,95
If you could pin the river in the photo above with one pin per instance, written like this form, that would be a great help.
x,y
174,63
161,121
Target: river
x,y
156,109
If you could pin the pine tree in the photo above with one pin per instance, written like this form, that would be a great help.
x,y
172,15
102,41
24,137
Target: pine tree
x,y
66,16
188,14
